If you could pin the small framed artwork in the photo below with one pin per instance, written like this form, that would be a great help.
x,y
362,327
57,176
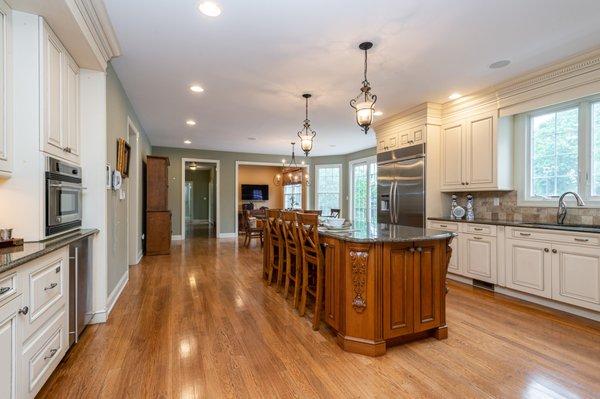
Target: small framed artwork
x,y
123,155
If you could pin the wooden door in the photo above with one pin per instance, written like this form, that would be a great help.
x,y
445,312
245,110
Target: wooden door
x,y
333,269
478,257
398,287
8,349
576,275
528,267
481,152
71,108
428,279
52,81
452,156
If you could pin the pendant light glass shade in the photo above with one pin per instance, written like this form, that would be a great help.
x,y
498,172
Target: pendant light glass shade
x,y
307,134
364,103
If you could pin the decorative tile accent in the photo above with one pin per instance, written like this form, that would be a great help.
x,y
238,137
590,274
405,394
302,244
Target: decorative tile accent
x,y
509,211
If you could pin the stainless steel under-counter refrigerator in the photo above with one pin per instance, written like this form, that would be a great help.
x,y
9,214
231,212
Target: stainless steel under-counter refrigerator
x,y
401,186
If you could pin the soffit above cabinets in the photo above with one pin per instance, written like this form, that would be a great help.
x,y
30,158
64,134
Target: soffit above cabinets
x,y
82,26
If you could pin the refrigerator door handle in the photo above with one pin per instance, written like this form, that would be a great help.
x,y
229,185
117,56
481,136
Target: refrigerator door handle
x,y
393,202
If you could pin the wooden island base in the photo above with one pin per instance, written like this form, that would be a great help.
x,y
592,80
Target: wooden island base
x,y
379,294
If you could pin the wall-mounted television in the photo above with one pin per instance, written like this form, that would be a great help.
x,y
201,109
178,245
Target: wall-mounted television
x,y
255,192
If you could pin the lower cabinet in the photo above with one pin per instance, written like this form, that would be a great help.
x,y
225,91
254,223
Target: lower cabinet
x,y
454,265
529,267
9,348
333,265
576,275
478,257
412,288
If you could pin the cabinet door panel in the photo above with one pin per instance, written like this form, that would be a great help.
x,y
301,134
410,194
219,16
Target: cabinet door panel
x,y
454,265
53,87
478,257
451,154
427,285
71,103
576,276
481,152
8,349
398,283
528,267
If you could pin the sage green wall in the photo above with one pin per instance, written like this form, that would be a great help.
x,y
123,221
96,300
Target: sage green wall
x,y
343,160
200,195
118,109
228,216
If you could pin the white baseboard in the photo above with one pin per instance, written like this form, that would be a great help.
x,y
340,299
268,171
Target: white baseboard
x,y
227,235
176,237
588,314
139,256
116,293
99,317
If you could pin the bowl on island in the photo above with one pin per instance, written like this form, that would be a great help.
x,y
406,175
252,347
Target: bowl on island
x,y
334,223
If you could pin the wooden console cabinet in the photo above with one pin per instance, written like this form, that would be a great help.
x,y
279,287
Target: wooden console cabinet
x,y
158,216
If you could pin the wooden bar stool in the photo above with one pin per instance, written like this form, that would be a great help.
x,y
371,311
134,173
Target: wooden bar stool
x,y
312,264
289,228
276,247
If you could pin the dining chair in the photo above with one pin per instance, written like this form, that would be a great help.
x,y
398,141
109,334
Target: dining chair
x,y
253,228
312,265
289,228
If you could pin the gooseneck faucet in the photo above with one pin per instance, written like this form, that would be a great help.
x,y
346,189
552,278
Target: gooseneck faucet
x,y
562,206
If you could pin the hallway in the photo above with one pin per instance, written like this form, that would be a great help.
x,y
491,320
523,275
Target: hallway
x,y
201,323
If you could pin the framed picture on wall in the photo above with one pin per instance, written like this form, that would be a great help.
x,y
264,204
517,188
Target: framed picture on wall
x,y
123,155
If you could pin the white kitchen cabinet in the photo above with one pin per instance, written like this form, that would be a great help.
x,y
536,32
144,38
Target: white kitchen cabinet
x,y
478,257
475,154
6,127
9,348
59,107
576,275
454,265
387,143
413,136
529,267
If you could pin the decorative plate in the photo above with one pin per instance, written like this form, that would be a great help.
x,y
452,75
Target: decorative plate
x,y
459,212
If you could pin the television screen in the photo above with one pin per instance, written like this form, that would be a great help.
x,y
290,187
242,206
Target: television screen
x,y
255,192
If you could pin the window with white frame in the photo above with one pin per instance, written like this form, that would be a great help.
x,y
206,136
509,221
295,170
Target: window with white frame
x,y
328,187
363,190
563,152
292,196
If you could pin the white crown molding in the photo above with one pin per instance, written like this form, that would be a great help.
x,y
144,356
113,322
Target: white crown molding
x,y
422,114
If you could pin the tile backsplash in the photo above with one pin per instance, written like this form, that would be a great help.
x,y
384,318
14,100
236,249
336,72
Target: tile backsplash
x,y
509,211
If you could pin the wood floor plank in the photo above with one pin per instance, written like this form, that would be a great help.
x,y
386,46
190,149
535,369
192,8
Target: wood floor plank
x,y
200,323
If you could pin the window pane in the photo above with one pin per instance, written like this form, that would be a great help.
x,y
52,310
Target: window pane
x,y
373,192
554,153
596,149
292,196
328,189
359,195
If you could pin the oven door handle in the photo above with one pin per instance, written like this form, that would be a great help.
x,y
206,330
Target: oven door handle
x,y
61,185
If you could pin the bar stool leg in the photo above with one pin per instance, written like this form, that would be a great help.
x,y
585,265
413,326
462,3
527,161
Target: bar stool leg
x,y
299,280
280,267
302,309
318,299
288,271
271,262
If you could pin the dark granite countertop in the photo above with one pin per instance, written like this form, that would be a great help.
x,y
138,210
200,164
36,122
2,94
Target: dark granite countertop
x,y
380,232
16,256
547,226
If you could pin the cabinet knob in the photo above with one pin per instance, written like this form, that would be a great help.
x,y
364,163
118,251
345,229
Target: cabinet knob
x,y
546,250
466,183
419,249
411,249
24,310
554,251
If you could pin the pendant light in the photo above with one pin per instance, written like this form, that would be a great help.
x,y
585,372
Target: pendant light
x,y
364,103
306,135
292,166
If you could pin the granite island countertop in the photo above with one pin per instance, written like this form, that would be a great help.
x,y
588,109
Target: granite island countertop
x,y
382,232
16,256
532,225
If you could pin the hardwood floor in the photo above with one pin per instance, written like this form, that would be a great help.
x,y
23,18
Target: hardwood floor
x,y
201,323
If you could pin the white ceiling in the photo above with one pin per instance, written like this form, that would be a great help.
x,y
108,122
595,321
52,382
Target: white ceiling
x,y
258,57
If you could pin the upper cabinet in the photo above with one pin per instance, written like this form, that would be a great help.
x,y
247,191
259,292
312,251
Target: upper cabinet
x,y
59,108
476,153
6,131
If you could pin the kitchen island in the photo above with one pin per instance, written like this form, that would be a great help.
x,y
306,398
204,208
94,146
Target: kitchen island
x,y
384,285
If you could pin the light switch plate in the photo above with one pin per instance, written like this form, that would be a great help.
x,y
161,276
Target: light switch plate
x,y
496,201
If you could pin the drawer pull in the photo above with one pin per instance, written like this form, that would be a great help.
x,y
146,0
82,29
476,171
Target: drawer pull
x,y
419,249
478,238
52,353
581,239
51,286
24,310
443,225
4,290
57,270
411,249
477,229
525,234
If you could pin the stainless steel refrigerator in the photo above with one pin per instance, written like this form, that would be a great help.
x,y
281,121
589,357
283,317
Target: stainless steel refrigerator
x,y
401,186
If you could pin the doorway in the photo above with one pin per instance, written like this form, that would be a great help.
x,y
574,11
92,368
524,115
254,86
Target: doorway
x,y
199,203
134,198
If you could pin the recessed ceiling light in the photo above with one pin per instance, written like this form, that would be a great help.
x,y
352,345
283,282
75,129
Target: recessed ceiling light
x,y
499,64
377,113
454,96
190,122
196,88
332,145
187,142
251,138
209,8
